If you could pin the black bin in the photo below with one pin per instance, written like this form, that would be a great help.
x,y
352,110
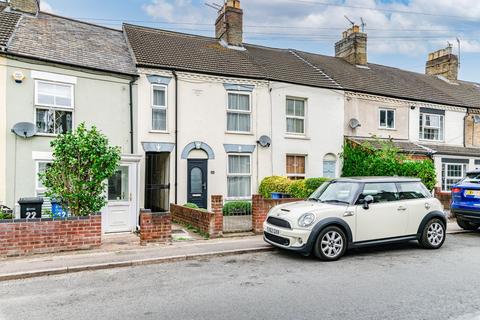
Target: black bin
x,y
30,207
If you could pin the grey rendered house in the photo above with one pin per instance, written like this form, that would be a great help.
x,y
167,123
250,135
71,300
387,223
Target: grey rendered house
x,y
57,73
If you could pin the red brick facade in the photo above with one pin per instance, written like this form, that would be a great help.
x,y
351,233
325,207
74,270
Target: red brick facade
x,y
444,197
155,227
260,208
210,223
24,237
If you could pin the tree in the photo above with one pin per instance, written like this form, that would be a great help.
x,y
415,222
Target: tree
x,y
83,161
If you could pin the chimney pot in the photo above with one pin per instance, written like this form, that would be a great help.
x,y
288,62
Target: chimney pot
x,y
229,23
353,46
26,6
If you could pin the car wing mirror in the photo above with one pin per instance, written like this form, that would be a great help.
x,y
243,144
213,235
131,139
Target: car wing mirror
x,y
367,201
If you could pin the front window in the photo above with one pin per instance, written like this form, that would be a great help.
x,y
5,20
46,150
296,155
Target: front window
x,y
336,192
239,112
295,116
159,108
451,174
295,167
431,126
386,119
239,178
54,105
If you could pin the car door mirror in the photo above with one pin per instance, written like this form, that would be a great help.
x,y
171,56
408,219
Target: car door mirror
x,y
367,201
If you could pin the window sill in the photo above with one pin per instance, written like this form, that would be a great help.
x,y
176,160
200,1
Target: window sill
x,y
240,133
159,131
238,198
431,140
47,135
387,129
298,137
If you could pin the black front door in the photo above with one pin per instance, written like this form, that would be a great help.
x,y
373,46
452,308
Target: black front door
x,y
197,182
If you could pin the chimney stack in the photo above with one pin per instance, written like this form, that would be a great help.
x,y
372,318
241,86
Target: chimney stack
x,y
229,24
442,63
27,6
353,46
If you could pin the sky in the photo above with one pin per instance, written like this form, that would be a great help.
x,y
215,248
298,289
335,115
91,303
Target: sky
x,y
400,32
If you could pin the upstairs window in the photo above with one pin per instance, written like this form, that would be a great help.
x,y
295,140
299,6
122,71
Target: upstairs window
x,y
295,167
431,126
386,119
159,108
295,116
239,112
54,105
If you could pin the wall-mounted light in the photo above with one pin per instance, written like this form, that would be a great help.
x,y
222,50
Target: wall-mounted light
x,y
18,76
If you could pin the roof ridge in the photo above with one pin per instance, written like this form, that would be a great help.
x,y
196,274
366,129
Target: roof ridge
x,y
77,20
151,29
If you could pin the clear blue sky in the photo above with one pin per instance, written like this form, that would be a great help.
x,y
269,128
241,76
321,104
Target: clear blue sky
x,y
401,32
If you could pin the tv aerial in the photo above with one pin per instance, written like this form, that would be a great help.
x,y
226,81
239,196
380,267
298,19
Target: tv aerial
x,y
364,24
214,5
348,19
24,129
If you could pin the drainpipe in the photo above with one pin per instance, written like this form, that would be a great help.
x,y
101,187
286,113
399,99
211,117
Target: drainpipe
x,y
175,76
131,116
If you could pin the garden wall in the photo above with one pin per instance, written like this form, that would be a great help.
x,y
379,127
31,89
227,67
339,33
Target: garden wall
x,y
260,208
23,237
444,197
155,227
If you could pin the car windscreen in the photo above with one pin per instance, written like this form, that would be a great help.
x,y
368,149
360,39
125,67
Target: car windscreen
x,y
336,192
472,177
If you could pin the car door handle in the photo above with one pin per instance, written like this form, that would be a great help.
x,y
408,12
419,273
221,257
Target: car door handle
x,y
402,208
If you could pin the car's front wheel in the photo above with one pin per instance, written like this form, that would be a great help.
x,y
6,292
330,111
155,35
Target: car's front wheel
x,y
433,235
466,225
331,244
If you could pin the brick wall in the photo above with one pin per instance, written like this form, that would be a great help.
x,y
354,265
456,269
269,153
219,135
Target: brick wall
x,y
260,208
210,223
155,227
444,197
23,237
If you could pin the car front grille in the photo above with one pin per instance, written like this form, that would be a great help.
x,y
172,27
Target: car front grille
x,y
277,239
279,222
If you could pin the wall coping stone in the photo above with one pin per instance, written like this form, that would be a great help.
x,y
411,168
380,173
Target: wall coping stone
x,y
76,218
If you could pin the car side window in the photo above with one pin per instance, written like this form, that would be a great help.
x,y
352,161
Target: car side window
x,y
381,192
412,190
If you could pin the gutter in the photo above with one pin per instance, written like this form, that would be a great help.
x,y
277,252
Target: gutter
x,y
175,76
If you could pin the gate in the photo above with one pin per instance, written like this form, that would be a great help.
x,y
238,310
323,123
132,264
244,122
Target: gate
x,y
237,216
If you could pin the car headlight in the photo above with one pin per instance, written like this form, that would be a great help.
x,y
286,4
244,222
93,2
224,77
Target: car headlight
x,y
306,220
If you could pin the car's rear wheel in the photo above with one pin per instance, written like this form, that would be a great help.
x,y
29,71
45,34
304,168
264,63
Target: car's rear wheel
x,y
331,244
433,235
466,225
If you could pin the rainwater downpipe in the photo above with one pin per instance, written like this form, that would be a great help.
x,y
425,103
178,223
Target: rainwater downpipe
x,y
131,116
175,76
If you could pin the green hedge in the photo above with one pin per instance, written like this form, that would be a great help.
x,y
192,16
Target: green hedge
x,y
295,188
236,208
384,160
191,205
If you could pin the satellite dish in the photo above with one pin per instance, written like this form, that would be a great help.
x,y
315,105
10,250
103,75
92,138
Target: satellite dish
x,y
265,141
24,129
354,123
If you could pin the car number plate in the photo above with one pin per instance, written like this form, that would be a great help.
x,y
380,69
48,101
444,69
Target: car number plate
x,y
272,231
472,193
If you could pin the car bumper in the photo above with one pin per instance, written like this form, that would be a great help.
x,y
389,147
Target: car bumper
x,y
290,239
468,215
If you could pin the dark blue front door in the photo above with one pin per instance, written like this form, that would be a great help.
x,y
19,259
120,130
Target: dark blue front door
x,y
197,182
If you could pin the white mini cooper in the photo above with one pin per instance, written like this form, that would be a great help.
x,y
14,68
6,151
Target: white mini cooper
x,y
353,212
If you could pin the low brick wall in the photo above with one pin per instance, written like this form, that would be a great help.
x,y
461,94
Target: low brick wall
x,y
210,223
444,197
20,237
260,208
155,227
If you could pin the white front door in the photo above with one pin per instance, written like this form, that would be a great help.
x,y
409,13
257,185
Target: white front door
x,y
119,215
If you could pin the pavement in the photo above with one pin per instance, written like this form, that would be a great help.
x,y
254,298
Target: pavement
x,y
126,253
389,282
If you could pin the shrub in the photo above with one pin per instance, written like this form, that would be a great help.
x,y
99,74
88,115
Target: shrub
x,y
298,189
273,184
191,205
83,161
312,184
237,208
385,160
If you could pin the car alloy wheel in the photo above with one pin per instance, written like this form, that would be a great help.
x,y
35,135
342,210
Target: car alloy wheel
x,y
332,244
435,234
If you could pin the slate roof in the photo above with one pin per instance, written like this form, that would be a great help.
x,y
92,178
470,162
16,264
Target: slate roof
x,y
445,149
62,40
173,50
404,146
8,21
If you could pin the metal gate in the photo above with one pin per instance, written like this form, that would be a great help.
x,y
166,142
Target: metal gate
x,y
237,216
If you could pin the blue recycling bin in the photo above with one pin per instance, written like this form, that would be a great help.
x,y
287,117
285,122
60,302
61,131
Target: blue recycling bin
x,y
57,210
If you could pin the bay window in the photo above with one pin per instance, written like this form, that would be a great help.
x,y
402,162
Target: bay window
x,y
238,112
239,176
159,108
451,174
54,105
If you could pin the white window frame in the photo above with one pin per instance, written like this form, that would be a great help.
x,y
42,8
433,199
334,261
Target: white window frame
x,y
38,189
249,174
295,175
304,118
445,177
44,106
249,112
158,107
386,110
441,128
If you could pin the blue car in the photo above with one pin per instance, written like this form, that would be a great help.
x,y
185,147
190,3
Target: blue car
x,y
465,203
